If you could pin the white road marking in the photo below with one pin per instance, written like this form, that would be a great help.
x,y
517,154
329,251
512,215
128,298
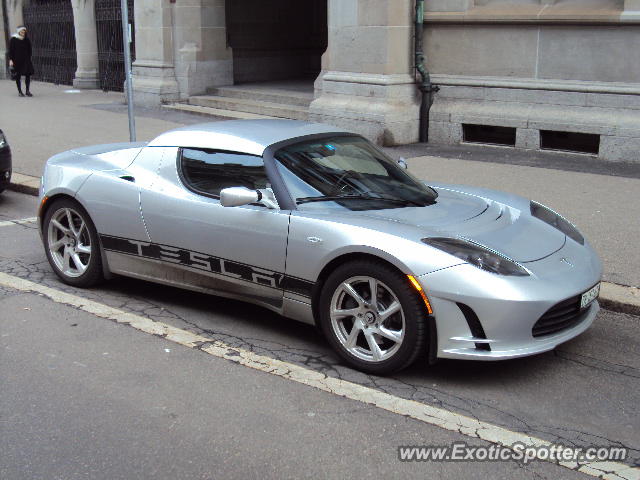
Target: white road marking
x,y
425,413
21,221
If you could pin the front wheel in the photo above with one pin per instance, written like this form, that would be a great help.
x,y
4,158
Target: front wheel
x,y
71,244
372,317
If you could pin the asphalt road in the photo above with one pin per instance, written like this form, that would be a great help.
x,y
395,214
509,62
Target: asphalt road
x,y
83,397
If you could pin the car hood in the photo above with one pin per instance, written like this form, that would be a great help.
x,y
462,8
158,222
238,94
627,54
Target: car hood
x,y
507,228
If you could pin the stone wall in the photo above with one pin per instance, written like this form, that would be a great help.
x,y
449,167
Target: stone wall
x,y
536,65
202,56
367,83
181,49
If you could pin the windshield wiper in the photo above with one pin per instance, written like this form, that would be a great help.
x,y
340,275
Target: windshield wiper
x,y
334,198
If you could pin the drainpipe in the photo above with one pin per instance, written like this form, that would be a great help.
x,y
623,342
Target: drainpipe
x,y
426,88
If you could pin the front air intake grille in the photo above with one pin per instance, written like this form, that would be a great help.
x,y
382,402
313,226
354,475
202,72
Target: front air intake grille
x,y
561,316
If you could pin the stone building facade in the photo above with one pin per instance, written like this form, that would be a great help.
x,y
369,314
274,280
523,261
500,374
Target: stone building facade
x,y
543,68
527,73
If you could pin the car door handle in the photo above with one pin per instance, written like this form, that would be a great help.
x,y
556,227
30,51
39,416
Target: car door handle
x,y
128,178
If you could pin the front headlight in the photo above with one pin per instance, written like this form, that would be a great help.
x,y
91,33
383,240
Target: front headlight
x,y
3,140
478,256
556,221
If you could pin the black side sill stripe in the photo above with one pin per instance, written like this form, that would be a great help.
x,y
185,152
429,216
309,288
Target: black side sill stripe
x,y
208,263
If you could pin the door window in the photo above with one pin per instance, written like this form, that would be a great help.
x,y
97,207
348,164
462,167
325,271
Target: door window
x,y
209,171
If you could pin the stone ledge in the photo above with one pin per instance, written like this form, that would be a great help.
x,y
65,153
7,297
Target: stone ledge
x,y
539,116
534,14
364,109
368,78
536,84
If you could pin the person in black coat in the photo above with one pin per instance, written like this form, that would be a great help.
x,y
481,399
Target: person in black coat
x,y
20,59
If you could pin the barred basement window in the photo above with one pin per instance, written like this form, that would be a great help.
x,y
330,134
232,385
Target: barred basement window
x,y
570,141
489,134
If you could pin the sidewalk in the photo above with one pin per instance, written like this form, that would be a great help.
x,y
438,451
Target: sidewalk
x,y
605,207
53,120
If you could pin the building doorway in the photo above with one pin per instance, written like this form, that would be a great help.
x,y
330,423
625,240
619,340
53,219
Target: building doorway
x,y
276,40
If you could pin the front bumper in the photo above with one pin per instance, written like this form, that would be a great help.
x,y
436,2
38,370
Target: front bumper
x,y
507,308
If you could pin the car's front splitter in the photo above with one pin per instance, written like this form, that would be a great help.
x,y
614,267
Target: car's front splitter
x,y
466,347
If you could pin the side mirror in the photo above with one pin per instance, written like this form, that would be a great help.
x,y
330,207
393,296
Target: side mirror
x,y
403,163
237,196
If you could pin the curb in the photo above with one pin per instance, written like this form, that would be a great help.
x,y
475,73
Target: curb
x,y
614,297
24,184
620,298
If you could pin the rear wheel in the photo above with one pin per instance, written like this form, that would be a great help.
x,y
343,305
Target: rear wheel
x,y
373,317
71,244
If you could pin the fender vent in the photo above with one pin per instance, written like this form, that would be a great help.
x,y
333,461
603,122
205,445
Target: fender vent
x,y
474,325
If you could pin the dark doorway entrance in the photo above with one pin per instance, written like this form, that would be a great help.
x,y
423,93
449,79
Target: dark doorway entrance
x,y
53,38
276,40
110,46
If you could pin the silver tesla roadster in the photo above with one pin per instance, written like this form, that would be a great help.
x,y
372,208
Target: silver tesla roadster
x,y
317,224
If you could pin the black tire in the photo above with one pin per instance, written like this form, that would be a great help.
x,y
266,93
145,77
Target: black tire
x,y
87,236
389,283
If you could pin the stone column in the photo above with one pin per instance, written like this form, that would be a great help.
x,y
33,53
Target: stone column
x,y
367,84
3,47
202,58
14,15
84,23
154,79
14,18
631,11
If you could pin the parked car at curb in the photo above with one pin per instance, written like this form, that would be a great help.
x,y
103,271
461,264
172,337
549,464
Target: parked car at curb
x,y
5,162
317,224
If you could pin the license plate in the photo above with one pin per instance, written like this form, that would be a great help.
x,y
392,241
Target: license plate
x,y
589,296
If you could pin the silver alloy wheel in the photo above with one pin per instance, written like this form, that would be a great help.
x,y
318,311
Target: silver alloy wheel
x,y
367,318
69,242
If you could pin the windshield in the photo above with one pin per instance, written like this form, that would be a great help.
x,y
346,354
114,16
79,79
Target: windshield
x,y
348,172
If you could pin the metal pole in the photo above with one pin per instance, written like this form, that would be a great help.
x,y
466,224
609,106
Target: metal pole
x,y
126,40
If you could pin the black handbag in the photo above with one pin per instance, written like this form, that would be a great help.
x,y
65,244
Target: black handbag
x,y
13,73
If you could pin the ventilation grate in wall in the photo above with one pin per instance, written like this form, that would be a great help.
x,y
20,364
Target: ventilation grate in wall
x,y
489,134
570,141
